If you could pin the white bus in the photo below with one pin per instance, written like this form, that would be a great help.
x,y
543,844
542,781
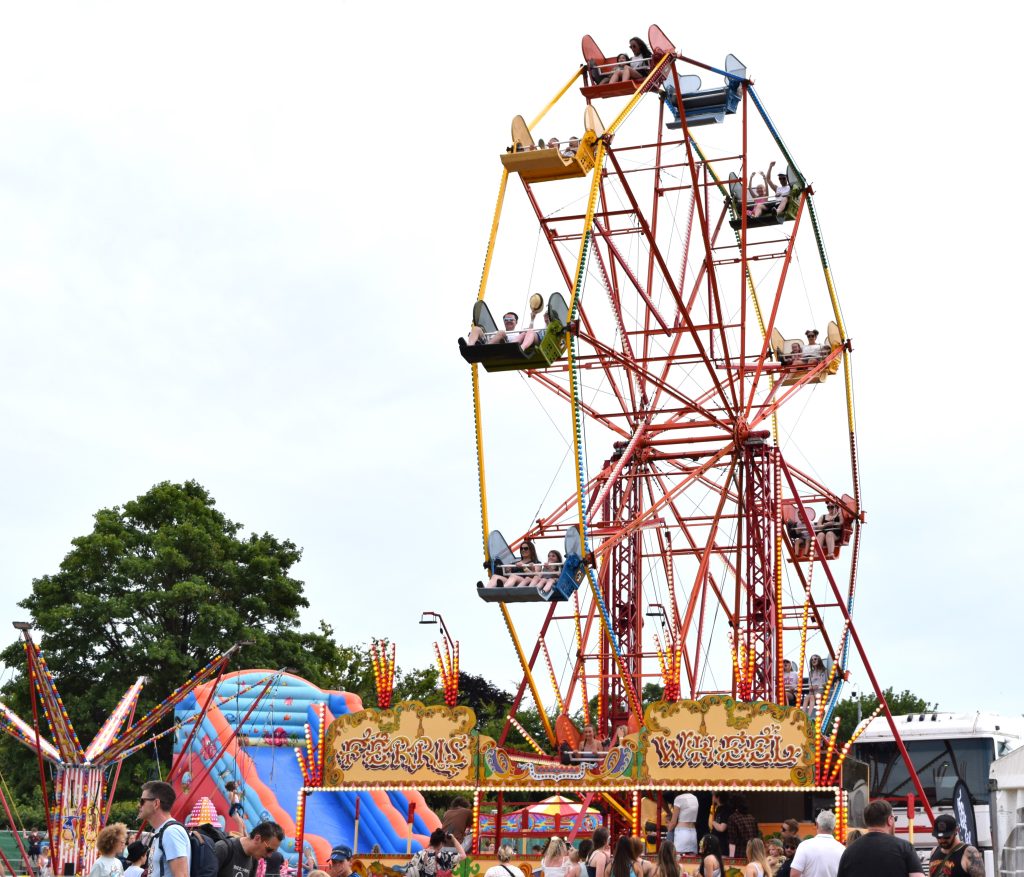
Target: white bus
x,y
944,747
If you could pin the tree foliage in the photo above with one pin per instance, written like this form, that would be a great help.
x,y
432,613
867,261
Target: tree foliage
x,y
900,704
160,586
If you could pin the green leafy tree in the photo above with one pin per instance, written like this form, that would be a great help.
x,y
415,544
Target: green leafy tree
x,y
847,710
160,586
652,691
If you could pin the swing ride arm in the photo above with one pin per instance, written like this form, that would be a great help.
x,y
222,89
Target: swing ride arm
x,y
117,773
184,803
196,725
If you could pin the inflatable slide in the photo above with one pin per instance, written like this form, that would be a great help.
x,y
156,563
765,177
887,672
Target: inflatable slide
x,y
260,760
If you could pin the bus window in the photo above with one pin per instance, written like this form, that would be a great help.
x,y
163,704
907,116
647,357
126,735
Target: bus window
x,y
938,762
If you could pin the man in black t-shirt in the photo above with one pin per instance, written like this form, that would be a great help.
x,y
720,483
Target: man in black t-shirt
x,y
952,857
878,853
237,856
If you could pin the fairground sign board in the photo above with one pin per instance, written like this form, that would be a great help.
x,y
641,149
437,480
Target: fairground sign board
x,y
408,745
718,740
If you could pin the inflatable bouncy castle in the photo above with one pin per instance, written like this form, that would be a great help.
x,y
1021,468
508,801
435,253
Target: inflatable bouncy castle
x,y
270,711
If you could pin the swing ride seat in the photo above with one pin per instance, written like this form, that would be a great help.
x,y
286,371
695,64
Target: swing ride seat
x,y
771,217
503,560
541,165
594,58
783,349
509,355
689,86
791,516
712,105
569,579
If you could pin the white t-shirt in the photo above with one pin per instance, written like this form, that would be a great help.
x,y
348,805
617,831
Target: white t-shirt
x,y
814,351
818,856
687,804
134,871
170,841
106,866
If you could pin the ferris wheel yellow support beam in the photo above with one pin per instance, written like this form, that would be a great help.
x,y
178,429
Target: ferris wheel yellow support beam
x,y
478,428
480,454
494,235
529,676
637,95
555,99
615,805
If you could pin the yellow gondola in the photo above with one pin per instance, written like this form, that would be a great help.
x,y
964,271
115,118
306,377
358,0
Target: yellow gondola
x,y
540,165
788,354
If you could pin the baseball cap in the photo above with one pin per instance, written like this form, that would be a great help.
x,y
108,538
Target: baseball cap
x,y
341,853
945,826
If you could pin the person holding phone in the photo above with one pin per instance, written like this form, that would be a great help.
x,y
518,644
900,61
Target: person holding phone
x,y
457,821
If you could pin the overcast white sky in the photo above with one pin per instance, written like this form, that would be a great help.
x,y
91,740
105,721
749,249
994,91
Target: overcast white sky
x,y
238,241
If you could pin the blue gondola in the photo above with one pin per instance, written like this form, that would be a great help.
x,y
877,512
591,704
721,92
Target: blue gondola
x,y
712,105
502,559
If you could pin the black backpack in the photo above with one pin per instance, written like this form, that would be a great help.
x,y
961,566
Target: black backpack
x,y
204,859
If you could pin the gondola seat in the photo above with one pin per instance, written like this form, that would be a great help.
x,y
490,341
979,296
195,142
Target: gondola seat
x,y
541,165
791,518
769,217
508,355
501,560
712,105
784,350
595,59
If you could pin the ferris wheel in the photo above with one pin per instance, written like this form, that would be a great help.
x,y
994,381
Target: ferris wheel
x,y
694,350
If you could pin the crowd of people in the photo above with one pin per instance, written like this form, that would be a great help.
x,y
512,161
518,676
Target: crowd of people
x,y
165,847
731,831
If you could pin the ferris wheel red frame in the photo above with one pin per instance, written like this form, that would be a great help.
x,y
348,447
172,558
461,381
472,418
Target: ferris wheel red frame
x,y
683,343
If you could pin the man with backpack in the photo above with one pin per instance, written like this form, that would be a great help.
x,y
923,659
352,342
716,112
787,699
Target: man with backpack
x,y
171,851
237,856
